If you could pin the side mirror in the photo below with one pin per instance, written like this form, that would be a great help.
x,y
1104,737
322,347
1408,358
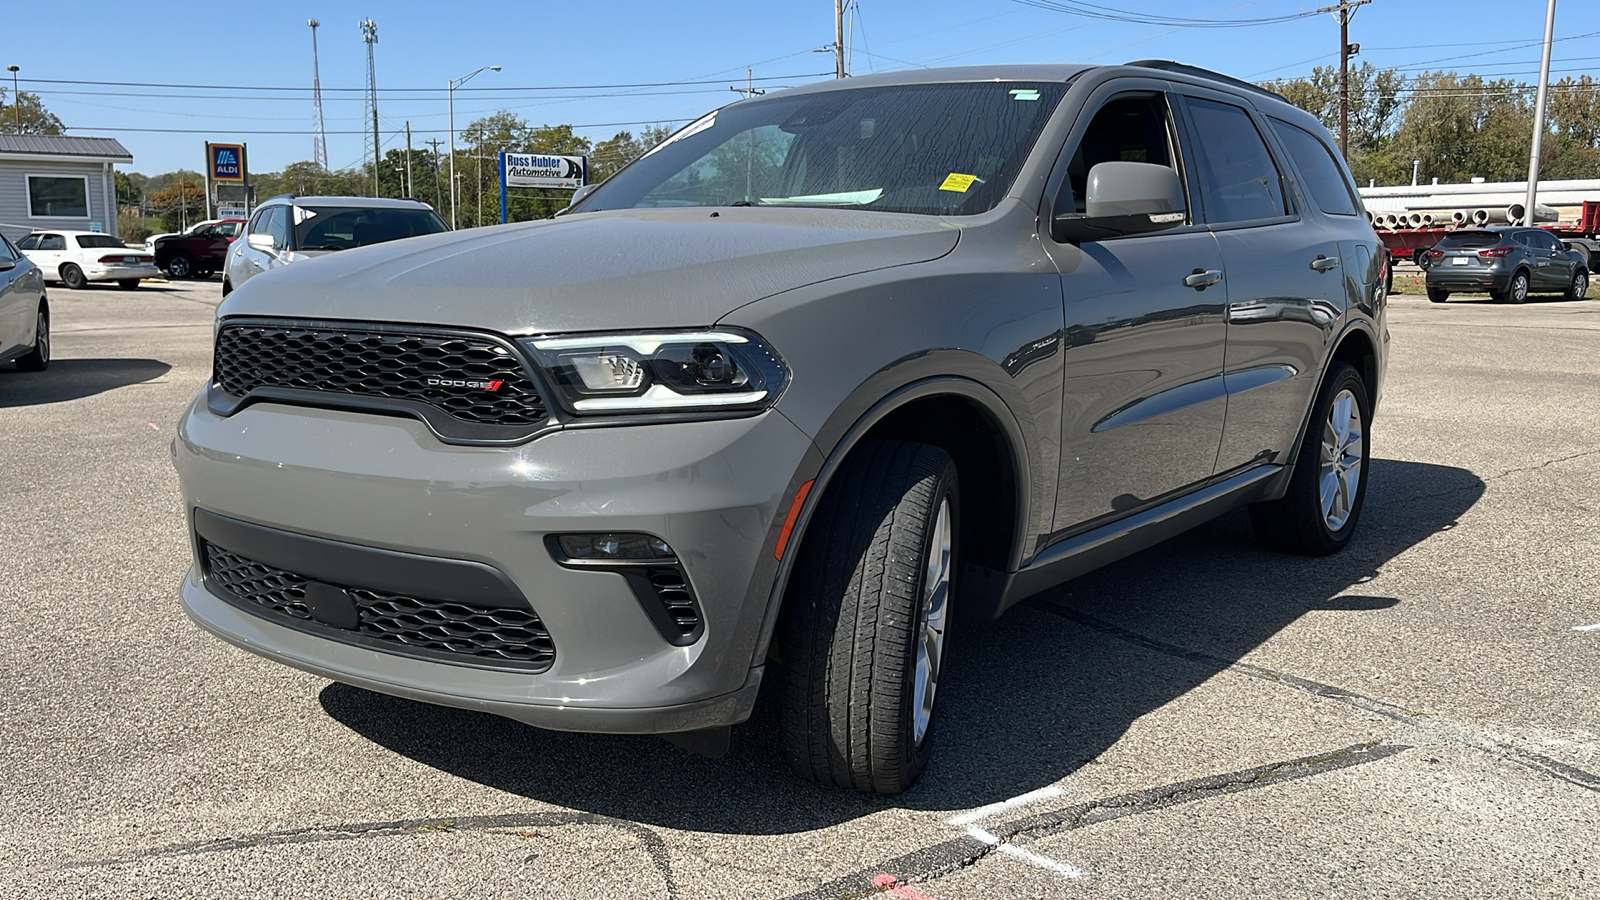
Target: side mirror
x,y
1124,198
7,265
262,241
578,196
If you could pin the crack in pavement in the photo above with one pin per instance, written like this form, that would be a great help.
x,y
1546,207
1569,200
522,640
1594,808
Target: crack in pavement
x,y
654,845
935,861
1461,734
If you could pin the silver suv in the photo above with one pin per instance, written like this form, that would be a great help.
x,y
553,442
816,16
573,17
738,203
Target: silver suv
x,y
287,229
776,402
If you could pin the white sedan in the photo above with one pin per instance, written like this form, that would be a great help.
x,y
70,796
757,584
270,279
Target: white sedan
x,y
76,258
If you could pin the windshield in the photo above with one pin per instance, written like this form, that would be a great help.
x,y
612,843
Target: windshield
x,y
343,227
87,241
935,149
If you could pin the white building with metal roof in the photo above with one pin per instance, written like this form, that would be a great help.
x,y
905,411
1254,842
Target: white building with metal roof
x,y
57,181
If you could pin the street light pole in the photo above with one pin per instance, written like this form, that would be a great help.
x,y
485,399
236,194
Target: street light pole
x,y
1538,115
450,91
16,97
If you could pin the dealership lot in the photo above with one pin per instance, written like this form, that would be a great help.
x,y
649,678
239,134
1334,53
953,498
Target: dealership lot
x,y
1416,716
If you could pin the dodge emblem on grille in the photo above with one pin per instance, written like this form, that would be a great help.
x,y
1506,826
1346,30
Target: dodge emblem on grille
x,y
453,382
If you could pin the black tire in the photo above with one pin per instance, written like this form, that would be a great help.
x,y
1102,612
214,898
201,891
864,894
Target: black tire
x,y
38,359
1420,257
1438,295
1579,288
1388,278
202,273
856,612
1296,522
226,287
72,277
128,284
181,265
1517,290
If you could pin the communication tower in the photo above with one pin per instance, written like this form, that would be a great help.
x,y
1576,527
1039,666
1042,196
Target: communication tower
x,y
319,141
369,36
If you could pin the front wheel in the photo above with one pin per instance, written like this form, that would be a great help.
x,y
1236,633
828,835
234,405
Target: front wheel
x,y
1579,288
180,266
1318,514
38,359
72,277
866,619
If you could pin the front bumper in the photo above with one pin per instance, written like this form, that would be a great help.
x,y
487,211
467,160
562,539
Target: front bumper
x,y
712,490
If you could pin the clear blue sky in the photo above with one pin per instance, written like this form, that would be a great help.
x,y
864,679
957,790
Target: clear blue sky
x,y
575,46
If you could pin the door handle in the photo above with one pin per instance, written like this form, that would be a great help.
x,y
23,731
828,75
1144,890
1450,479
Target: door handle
x,y
1324,263
1200,279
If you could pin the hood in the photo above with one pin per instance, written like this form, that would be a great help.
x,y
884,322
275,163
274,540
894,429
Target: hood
x,y
616,269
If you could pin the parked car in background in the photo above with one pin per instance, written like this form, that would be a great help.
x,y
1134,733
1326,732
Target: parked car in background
x,y
150,242
76,258
1509,262
288,229
24,311
770,407
199,252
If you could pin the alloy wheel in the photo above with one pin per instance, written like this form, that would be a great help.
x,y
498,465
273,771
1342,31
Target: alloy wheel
x,y
935,622
42,337
1342,450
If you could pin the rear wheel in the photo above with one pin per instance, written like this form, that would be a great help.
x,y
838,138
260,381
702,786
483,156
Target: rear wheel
x,y
1438,295
1579,288
38,359
1319,512
1517,291
866,617
72,277
180,266
1420,257
128,284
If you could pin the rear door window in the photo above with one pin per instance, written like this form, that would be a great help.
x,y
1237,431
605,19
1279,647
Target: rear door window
x,y
52,242
1320,172
1239,181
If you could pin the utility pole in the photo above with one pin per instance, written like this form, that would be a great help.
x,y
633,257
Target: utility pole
x,y
16,97
1345,9
411,183
749,89
1538,115
437,191
838,38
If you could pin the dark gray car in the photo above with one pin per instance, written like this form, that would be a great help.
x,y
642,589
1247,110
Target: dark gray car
x,y
1508,262
777,401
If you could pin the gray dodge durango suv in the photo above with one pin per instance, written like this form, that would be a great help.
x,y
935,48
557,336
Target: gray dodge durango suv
x,y
822,371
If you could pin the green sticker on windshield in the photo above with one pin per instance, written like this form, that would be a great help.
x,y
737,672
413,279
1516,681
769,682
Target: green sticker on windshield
x,y
1024,94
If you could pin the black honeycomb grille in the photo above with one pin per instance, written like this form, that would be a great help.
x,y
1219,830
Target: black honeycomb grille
x,y
417,626
382,364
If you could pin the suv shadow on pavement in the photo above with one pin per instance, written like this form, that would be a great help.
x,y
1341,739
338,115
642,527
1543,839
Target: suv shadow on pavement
x,y
74,379
1034,696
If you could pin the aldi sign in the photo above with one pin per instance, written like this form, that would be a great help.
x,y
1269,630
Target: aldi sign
x,y
226,162
539,170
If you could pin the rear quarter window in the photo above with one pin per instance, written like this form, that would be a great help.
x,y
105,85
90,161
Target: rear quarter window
x,y
1320,172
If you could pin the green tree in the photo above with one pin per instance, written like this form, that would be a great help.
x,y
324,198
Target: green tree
x,y
180,205
128,193
27,115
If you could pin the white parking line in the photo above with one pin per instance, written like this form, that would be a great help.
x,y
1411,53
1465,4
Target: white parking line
x,y
1586,628
984,812
966,820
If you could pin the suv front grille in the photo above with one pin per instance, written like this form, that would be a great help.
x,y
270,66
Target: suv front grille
x,y
415,626
472,379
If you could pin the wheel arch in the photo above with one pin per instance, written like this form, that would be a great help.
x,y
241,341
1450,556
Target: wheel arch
x,y
1357,347
971,423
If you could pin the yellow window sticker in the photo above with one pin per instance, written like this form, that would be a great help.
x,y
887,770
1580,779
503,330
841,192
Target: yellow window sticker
x,y
958,182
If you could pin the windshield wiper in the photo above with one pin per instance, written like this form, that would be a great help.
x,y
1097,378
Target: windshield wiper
x,y
744,203
323,247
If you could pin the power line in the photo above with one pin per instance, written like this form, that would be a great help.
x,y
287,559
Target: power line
x,y
233,131
1112,14
417,90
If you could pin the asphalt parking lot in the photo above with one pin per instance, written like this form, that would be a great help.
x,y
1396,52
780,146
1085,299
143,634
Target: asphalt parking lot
x,y
1417,716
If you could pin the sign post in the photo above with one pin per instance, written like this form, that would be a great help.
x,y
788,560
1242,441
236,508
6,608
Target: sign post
x,y
226,168
541,170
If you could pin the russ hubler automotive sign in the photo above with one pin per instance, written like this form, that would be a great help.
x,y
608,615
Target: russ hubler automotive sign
x,y
540,170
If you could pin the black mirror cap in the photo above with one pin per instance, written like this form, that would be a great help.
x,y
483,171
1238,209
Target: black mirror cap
x,y
1075,228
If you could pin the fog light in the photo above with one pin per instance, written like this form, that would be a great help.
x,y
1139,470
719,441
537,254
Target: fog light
x,y
613,547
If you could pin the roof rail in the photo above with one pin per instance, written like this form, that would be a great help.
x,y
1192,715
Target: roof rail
x,y
1167,65
280,197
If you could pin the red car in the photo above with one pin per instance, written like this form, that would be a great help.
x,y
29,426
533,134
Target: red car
x,y
199,253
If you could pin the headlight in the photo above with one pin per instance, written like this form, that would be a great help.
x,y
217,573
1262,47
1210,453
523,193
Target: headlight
x,y
661,372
